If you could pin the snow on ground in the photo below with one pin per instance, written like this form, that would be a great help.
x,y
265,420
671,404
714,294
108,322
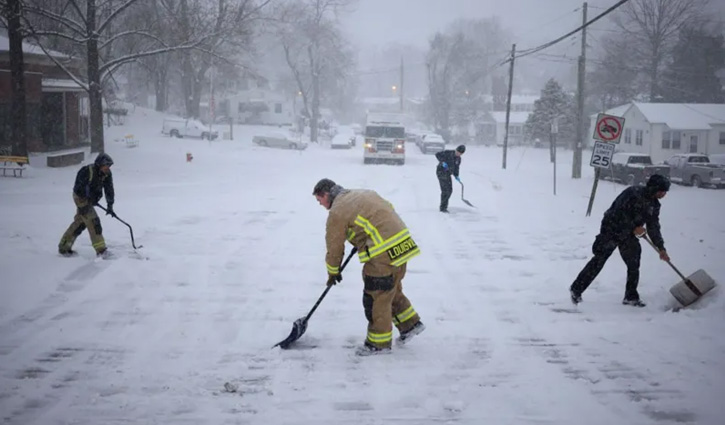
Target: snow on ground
x,y
235,247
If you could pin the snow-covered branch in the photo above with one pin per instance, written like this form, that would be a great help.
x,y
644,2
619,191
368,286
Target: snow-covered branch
x,y
132,32
63,20
56,34
114,14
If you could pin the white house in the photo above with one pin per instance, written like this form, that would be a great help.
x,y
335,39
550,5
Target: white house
x,y
665,129
491,129
494,129
258,106
519,102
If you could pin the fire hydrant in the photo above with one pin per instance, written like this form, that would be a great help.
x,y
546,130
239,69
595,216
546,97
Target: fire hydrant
x,y
189,157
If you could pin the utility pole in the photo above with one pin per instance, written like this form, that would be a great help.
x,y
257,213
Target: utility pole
x,y
576,169
402,82
508,104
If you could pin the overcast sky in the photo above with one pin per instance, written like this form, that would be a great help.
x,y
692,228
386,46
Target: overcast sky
x,y
377,22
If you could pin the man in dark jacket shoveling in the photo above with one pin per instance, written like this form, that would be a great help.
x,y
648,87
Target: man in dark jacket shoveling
x,y
449,162
623,223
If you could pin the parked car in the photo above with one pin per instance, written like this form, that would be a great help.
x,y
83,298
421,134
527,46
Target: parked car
x,y
179,127
695,169
279,139
432,143
343,140
633,169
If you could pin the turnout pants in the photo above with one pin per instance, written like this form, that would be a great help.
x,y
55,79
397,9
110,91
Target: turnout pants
x,y
85,218
385,304
446,190
604,246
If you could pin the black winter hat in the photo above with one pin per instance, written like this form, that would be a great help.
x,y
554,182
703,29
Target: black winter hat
x,y
103,159
658,183
323,186
461,148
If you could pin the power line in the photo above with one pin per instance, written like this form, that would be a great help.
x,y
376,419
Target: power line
x,y
527,52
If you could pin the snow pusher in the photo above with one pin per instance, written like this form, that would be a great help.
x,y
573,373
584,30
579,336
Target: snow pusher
x,y
462,198
690,288
300,325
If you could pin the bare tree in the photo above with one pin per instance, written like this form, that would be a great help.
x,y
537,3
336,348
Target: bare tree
x,y
226,29
11,12
460,63
614,78
314,50
652,27
87,23
443,59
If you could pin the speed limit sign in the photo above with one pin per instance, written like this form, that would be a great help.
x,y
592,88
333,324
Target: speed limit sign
x,y
602,155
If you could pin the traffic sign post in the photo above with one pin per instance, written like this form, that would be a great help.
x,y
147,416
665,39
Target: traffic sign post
x,y
602,155
608,128
601,158
552,139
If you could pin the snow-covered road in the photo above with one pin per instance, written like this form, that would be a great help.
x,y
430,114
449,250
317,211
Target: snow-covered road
x,y
235,246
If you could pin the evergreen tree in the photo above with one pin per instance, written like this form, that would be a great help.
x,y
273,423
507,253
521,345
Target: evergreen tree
x,y
691,77
554,102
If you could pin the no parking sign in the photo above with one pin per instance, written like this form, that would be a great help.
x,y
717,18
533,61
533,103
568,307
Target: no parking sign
x,y
608,128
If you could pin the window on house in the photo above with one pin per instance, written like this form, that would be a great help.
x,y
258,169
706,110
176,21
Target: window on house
x,y
676,135
639,135
627,136
666,137
722,137
277,108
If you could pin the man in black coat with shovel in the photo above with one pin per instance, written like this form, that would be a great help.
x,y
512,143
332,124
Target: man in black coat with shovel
x,y
449,163
622,225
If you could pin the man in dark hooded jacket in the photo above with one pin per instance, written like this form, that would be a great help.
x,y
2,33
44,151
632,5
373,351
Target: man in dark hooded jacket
x,y
622,225
90,184
449,163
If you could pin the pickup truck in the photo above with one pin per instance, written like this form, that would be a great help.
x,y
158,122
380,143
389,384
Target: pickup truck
x,y
633,169
696,170
180,128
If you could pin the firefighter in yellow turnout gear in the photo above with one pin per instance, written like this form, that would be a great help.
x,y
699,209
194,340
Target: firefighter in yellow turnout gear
x,y
90,184
369,222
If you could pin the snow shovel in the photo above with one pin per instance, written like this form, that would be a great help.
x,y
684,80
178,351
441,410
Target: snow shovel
x,y
300,325
690,288
133,243
463,199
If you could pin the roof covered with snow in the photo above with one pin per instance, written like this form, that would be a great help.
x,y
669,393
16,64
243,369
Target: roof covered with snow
x,y
524,99
514,117
28,48
683,116
50,84
677,116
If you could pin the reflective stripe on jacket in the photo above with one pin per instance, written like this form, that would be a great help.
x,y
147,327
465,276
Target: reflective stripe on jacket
x,y
369,223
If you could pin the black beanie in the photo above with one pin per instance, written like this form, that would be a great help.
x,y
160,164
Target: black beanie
x,y
658,183
461,148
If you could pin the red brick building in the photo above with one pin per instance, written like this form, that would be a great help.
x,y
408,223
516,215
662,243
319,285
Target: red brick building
x,y
57,106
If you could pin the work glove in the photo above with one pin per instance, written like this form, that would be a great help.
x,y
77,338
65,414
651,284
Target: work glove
x,y
109,211
458,179
332,279
444,165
